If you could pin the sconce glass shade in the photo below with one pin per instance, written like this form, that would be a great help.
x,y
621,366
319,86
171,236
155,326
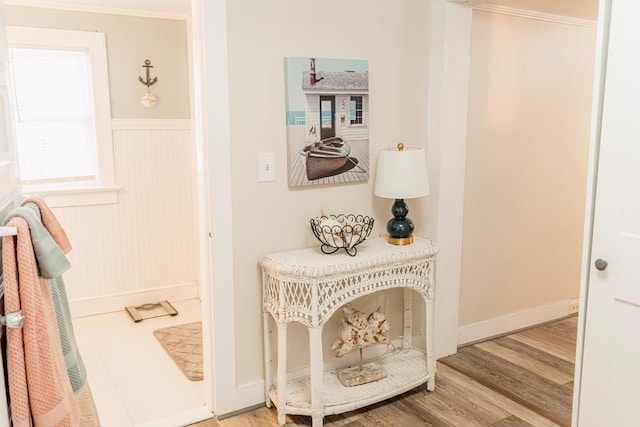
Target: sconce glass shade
x,y
401,174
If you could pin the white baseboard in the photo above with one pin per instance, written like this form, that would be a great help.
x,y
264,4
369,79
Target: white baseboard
x,y
111,303
513,322
246,397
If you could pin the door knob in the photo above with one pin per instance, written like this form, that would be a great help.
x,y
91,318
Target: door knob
x,y
601,264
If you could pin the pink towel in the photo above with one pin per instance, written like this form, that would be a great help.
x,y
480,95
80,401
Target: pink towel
x,y
39,387
51,223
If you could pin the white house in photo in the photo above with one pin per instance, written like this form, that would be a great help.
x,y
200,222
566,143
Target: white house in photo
x,y
337,104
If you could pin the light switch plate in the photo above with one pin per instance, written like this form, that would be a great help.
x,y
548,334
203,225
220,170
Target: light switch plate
x,y
266,167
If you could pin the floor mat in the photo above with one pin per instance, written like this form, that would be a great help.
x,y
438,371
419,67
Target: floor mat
x,y
184,345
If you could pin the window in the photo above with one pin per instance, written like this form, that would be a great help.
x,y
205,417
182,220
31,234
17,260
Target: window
x,y
355,110
62,112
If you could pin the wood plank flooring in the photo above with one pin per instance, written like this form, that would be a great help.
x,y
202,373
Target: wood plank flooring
x,y
523,379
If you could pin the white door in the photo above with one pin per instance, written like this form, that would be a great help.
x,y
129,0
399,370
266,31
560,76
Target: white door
x,y
610,382
9,178
9,182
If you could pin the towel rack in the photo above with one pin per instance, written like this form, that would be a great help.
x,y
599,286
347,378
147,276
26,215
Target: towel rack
x,y
12,320
8,231
15,319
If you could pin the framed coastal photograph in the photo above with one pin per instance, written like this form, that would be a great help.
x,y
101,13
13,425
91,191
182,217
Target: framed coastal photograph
x,y
327,102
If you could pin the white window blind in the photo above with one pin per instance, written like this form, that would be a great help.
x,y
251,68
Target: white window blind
x,y
55,126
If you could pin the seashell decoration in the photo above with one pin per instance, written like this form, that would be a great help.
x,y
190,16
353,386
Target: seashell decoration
x,y
148,100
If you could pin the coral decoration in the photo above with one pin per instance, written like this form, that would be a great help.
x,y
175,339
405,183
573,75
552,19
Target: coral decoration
x,y
359,330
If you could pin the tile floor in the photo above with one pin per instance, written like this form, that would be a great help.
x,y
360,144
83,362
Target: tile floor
x,y
133,380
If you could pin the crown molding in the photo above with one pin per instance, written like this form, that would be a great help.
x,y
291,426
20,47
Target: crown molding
x,y
530,14
97,9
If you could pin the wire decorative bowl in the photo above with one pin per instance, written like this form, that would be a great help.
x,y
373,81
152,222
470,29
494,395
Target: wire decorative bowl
x,y
337,232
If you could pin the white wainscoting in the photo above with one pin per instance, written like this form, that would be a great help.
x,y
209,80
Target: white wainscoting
x,y
144,248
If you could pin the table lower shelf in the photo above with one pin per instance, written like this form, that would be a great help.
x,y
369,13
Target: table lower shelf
x,y
406,369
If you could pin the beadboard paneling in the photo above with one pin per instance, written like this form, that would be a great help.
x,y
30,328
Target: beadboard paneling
x,y
147,240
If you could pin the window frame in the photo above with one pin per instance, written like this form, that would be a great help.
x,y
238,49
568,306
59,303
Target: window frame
x,y
103,190
354,122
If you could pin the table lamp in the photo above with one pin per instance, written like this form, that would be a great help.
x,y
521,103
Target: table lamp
x,y
401,174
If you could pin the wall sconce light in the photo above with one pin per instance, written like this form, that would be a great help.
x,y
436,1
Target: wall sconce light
x,y
401,174
149,99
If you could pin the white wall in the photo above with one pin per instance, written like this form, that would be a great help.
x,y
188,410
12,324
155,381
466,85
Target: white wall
x,y
528,136
269,217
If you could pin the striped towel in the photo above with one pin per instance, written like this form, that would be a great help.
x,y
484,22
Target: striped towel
x,y
73,361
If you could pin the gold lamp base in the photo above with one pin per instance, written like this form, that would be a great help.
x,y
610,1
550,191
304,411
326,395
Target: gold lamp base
x,y
400,241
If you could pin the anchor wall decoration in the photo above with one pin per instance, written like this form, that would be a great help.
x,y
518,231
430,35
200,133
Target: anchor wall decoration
x,y
149,99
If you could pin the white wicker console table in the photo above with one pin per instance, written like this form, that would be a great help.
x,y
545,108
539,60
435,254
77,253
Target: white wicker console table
x,y
308,286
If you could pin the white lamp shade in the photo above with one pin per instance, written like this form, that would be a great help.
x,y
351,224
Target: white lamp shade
x,y
402,174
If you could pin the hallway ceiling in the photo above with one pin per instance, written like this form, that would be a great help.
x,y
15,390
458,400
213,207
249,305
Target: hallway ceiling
x,y
581,9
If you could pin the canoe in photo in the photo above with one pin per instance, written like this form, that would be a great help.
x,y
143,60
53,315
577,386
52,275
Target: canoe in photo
x,y
326,157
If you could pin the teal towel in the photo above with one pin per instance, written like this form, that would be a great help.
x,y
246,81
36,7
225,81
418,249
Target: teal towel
x,y
50,259
72,359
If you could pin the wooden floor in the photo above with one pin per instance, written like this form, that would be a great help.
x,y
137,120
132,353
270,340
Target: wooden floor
x,y
523,379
